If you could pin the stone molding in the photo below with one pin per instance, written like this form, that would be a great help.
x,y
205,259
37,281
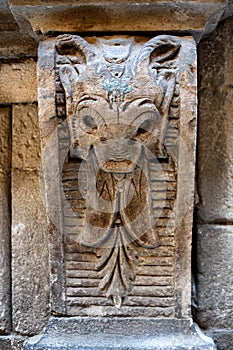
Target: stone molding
x,y
105,15
27,22
78,333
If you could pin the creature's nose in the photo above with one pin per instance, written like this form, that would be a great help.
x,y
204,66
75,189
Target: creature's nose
x,y
119,143
119,148
117,70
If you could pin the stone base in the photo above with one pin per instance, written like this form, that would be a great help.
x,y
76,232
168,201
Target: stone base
x,y
79,333
223,338
11,342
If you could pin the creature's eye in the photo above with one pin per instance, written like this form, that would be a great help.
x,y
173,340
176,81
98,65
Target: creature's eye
x,y
131,141
90,122
146,127
103,139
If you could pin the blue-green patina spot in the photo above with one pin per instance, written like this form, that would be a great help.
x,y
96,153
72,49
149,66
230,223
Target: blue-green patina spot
x,y
117,86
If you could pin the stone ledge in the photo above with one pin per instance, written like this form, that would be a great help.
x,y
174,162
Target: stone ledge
x,y
76,333
14,44
83,2
24,20
124,15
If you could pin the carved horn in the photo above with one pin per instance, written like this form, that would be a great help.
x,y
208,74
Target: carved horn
x,y
162,47
71,44
83,52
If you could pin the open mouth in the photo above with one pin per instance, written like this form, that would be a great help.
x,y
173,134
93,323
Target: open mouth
x,y
119,166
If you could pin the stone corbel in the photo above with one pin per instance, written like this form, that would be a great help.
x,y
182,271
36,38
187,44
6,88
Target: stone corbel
x,y
196,17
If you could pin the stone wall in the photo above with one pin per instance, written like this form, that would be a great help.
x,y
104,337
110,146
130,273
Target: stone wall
x,y
24,233
215,186
24,287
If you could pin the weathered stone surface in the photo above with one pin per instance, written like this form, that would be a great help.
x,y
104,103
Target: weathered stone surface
x,y
120,333
30,266
12,342
20,46
20,84
7,21
16,22
228,35
84,2
186,175
112,16
102,81
215,142
214,276
5,163
51,173
215,183
26,135
115,90
5,343
5,140
223,338
14,40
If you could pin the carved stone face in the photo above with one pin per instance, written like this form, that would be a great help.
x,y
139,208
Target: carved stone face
x,y
116,149
118,95
118,136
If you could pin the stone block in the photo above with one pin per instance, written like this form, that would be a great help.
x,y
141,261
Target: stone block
x,y
82,2
215,142
26,136
113,16
21,45
12,342
30,262
109,248
214,276
5,343
5,161
30,269
98,333
118,299
223,338
5,140
228,33
13,42
20,84
7,22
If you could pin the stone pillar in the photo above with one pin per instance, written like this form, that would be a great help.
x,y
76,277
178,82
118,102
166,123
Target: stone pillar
x,y
118,127
52,273
215,186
